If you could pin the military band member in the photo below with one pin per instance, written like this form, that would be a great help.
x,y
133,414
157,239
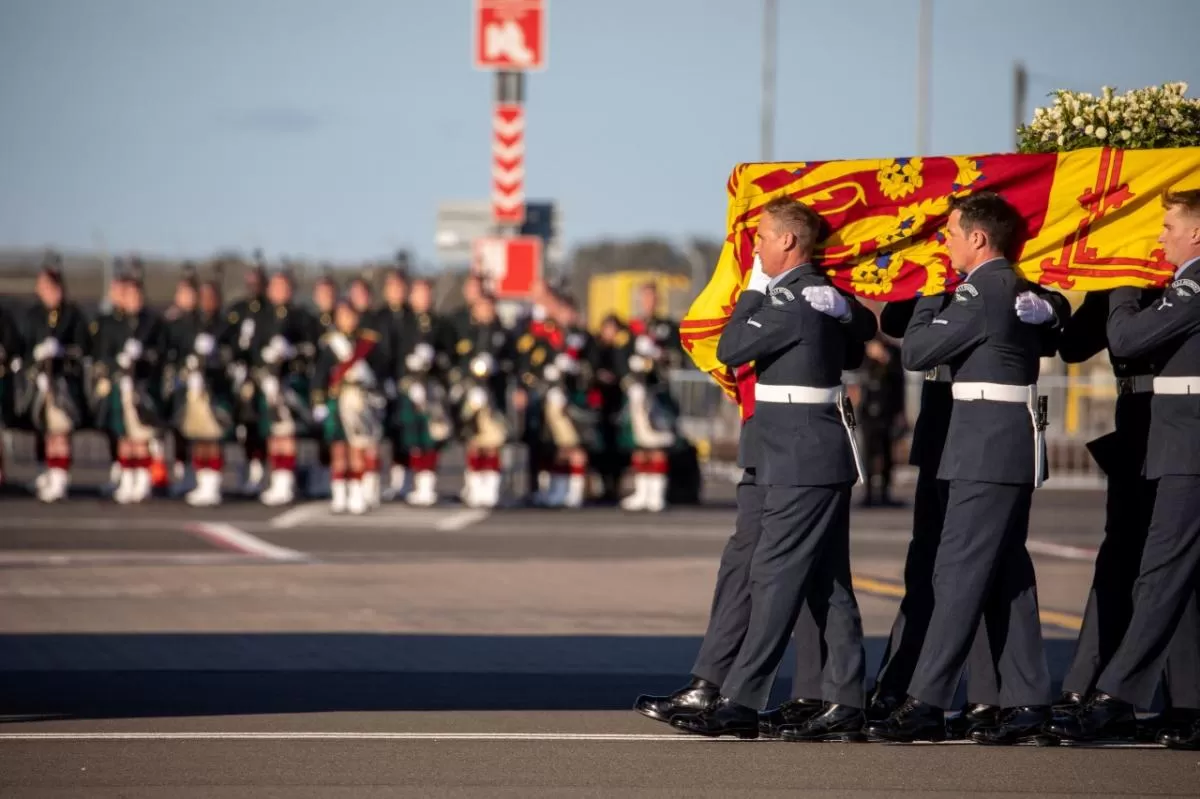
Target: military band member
x,y
50,401
323,300
392,324
243,320
177,319
796,329
993,459
1166,334
369,319
483,356
649,421
116,309
282,352
344,404
422,424
606,397
128,379
664,332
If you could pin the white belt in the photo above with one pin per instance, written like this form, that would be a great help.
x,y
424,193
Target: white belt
x,y
1177,385
811,395
1138,384
807,395
1002,392
939,374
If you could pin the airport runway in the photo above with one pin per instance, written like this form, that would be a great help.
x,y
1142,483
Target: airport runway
x,y
244,651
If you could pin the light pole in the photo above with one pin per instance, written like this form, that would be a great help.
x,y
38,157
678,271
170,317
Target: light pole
x,y
769,38
924,56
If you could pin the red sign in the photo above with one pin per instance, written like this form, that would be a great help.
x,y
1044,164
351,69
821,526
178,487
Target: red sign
x,y
510,34
509,267
508,164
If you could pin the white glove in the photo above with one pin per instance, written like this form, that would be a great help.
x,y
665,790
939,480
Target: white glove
x,y
1032,309
195,382
645,346
204,344
47,350
758,279
319,412
43,382
16,364
124,360
416,393
476,398
424,352
827,300
133,348
414,363
638,364
636,392
282,346
555,398
270,388
566,364
482,364
238,373
246,334
270,355
551,374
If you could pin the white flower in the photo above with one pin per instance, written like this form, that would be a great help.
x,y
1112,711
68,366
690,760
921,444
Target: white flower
x,y
1077,122
1126,135
1101,132
1061,141
1090,129
1137,127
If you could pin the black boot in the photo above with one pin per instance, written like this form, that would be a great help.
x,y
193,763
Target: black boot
x,y
834,723
1182,739
1103,716
726,718
698,695
972,717
1016,725
791,713
912,721
883,704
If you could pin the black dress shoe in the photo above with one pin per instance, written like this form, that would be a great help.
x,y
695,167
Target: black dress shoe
x,y
883,704
1182,739
698,695
914,720
1175,719
1103,716
1016,725
726,718
791,713
834,723
972,717
1068,702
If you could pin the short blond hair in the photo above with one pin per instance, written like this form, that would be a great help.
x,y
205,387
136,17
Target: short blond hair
x,y
798,219
1188,200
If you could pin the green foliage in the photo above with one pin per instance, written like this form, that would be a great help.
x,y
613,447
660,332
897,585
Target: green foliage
x,y
1150,118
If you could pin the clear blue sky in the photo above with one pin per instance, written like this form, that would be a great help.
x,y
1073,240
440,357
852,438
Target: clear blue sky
x,y
331,128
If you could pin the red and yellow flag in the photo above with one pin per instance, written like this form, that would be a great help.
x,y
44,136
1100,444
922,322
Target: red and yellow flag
x,y
1092,216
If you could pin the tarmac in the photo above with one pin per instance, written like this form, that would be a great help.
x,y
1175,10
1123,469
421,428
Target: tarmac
x,y
159,650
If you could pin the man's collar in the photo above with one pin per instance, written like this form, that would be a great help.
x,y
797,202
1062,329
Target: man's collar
x,y
1185,266
799,269
989,264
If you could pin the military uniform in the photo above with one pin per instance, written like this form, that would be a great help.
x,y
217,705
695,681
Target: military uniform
x,y
49,386
804,460
10,351
483,356
1166,334
992,460
242,322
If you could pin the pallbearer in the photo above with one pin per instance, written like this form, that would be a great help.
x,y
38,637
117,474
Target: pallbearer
x,y
346,403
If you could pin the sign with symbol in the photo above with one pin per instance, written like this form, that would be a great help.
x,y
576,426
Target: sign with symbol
x,y
509,267
510,34
508,164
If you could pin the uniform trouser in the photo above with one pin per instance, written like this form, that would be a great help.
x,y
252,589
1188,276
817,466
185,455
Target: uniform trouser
x,y
877,455
983,572
1165,586
802,554
916,608
730,612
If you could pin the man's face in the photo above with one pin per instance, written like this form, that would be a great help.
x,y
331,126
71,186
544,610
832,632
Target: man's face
x,y
772,244
279,290
116,293
471,291
323,296
1180,235
210,300
48,291
360,297
608,331
134,299
959,244
254,284
485,311
395,291
346,319
648,301
421,298
185,297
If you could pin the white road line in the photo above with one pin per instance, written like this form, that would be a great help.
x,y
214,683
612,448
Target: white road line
x,y
1060,550
229,537
35,559
464,518
300,514
339,736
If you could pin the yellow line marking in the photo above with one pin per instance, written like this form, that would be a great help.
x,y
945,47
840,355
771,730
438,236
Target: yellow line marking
x,y
875,587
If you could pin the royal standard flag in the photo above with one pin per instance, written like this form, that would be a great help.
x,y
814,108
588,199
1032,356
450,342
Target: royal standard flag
x,y
1092,217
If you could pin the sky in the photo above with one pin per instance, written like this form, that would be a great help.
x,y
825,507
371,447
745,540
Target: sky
x,y
331,129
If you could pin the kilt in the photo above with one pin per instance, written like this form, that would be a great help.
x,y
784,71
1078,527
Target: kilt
x,y
29,405
418,428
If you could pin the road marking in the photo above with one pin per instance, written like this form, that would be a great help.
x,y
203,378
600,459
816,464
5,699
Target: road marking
x,y
300,514
876,587
343,736
1060,550
229,537
36,559
464,518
